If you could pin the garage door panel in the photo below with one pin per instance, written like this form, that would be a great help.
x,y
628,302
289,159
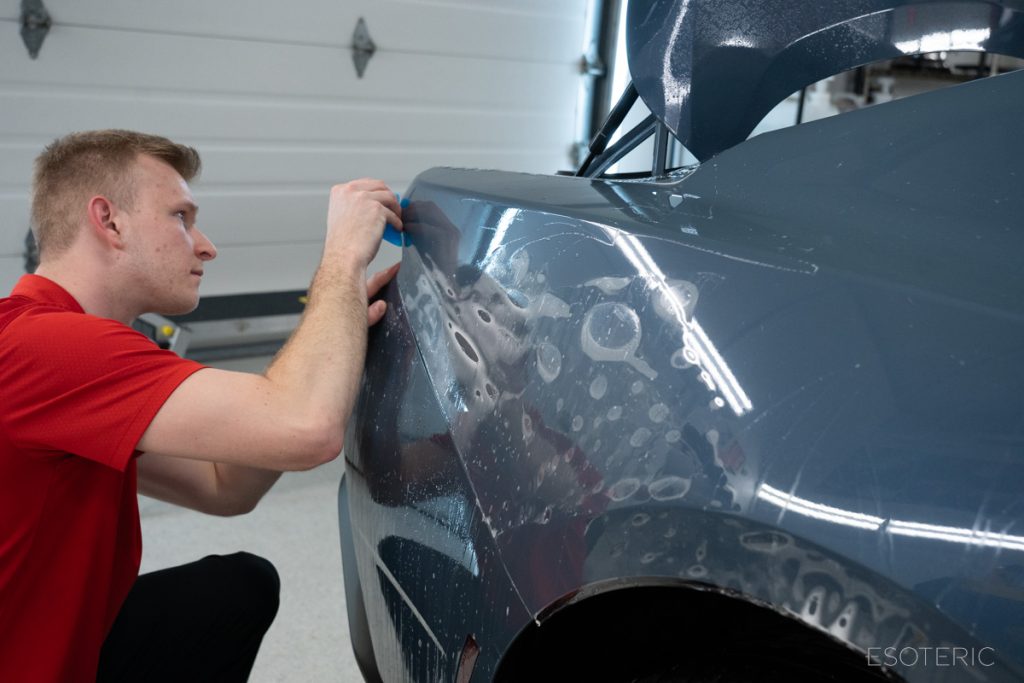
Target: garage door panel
x,y
548,33
16,168
14,212
233,219
265,206
204,119
323,168
192,66
526,30
272,268
11,268
149,63
261,268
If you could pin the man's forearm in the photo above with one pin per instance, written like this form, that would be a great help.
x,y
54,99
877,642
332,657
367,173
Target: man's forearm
x,y
322,363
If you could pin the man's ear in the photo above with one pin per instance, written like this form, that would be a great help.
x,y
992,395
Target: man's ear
x,y
103,221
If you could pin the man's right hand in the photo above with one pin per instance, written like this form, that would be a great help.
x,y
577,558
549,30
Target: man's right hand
x,y
356,217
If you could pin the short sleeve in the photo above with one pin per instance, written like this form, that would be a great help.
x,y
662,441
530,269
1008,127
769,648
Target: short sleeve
x,y
75,383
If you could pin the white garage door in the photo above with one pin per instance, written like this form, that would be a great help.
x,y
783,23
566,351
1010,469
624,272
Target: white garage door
x,y
267,91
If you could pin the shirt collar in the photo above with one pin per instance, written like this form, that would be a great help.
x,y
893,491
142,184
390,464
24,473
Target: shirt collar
x,y
43,290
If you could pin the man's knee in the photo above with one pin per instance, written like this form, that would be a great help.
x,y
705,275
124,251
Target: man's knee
x,y
250,582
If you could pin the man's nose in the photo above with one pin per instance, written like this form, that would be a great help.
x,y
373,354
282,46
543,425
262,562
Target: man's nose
x,y
204,247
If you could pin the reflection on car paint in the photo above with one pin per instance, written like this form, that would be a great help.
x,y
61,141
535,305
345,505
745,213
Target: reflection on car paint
x,y
790,503
596,464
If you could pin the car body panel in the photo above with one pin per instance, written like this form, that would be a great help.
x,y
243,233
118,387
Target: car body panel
x,y
792,375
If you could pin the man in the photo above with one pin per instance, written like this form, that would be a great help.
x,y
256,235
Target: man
x,y
89,407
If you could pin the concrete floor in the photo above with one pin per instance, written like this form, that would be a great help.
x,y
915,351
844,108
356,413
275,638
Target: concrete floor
x,y
296,527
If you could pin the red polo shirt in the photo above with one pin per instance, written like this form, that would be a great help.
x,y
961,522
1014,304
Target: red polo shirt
x,y
76,394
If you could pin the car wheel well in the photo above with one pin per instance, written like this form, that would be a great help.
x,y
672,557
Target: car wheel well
x,y
677,633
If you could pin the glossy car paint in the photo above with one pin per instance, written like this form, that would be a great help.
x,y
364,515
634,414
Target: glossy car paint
x,y
794,374
712,70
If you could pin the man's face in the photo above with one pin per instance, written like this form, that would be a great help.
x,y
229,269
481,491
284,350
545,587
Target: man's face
x,y
166,250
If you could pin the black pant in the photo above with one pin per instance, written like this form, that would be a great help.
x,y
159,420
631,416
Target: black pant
x,y
202,621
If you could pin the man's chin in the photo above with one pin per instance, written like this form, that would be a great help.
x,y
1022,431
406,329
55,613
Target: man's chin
x,y
177,308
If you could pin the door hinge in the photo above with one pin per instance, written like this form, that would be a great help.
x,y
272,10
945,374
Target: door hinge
x,y
363,47
592,65
31,252
35,24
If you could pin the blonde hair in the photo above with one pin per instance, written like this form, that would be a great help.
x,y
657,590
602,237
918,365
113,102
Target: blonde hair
x,y
76,167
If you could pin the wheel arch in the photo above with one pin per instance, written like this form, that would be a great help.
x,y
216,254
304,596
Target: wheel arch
x,y
645,628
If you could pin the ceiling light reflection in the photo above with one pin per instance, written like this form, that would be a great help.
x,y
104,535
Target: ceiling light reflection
x,y
946,533
828,513
792,503
508,216
676,81
960,39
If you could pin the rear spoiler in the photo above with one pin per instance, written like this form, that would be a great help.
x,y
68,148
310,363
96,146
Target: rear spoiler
x,y
710,70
